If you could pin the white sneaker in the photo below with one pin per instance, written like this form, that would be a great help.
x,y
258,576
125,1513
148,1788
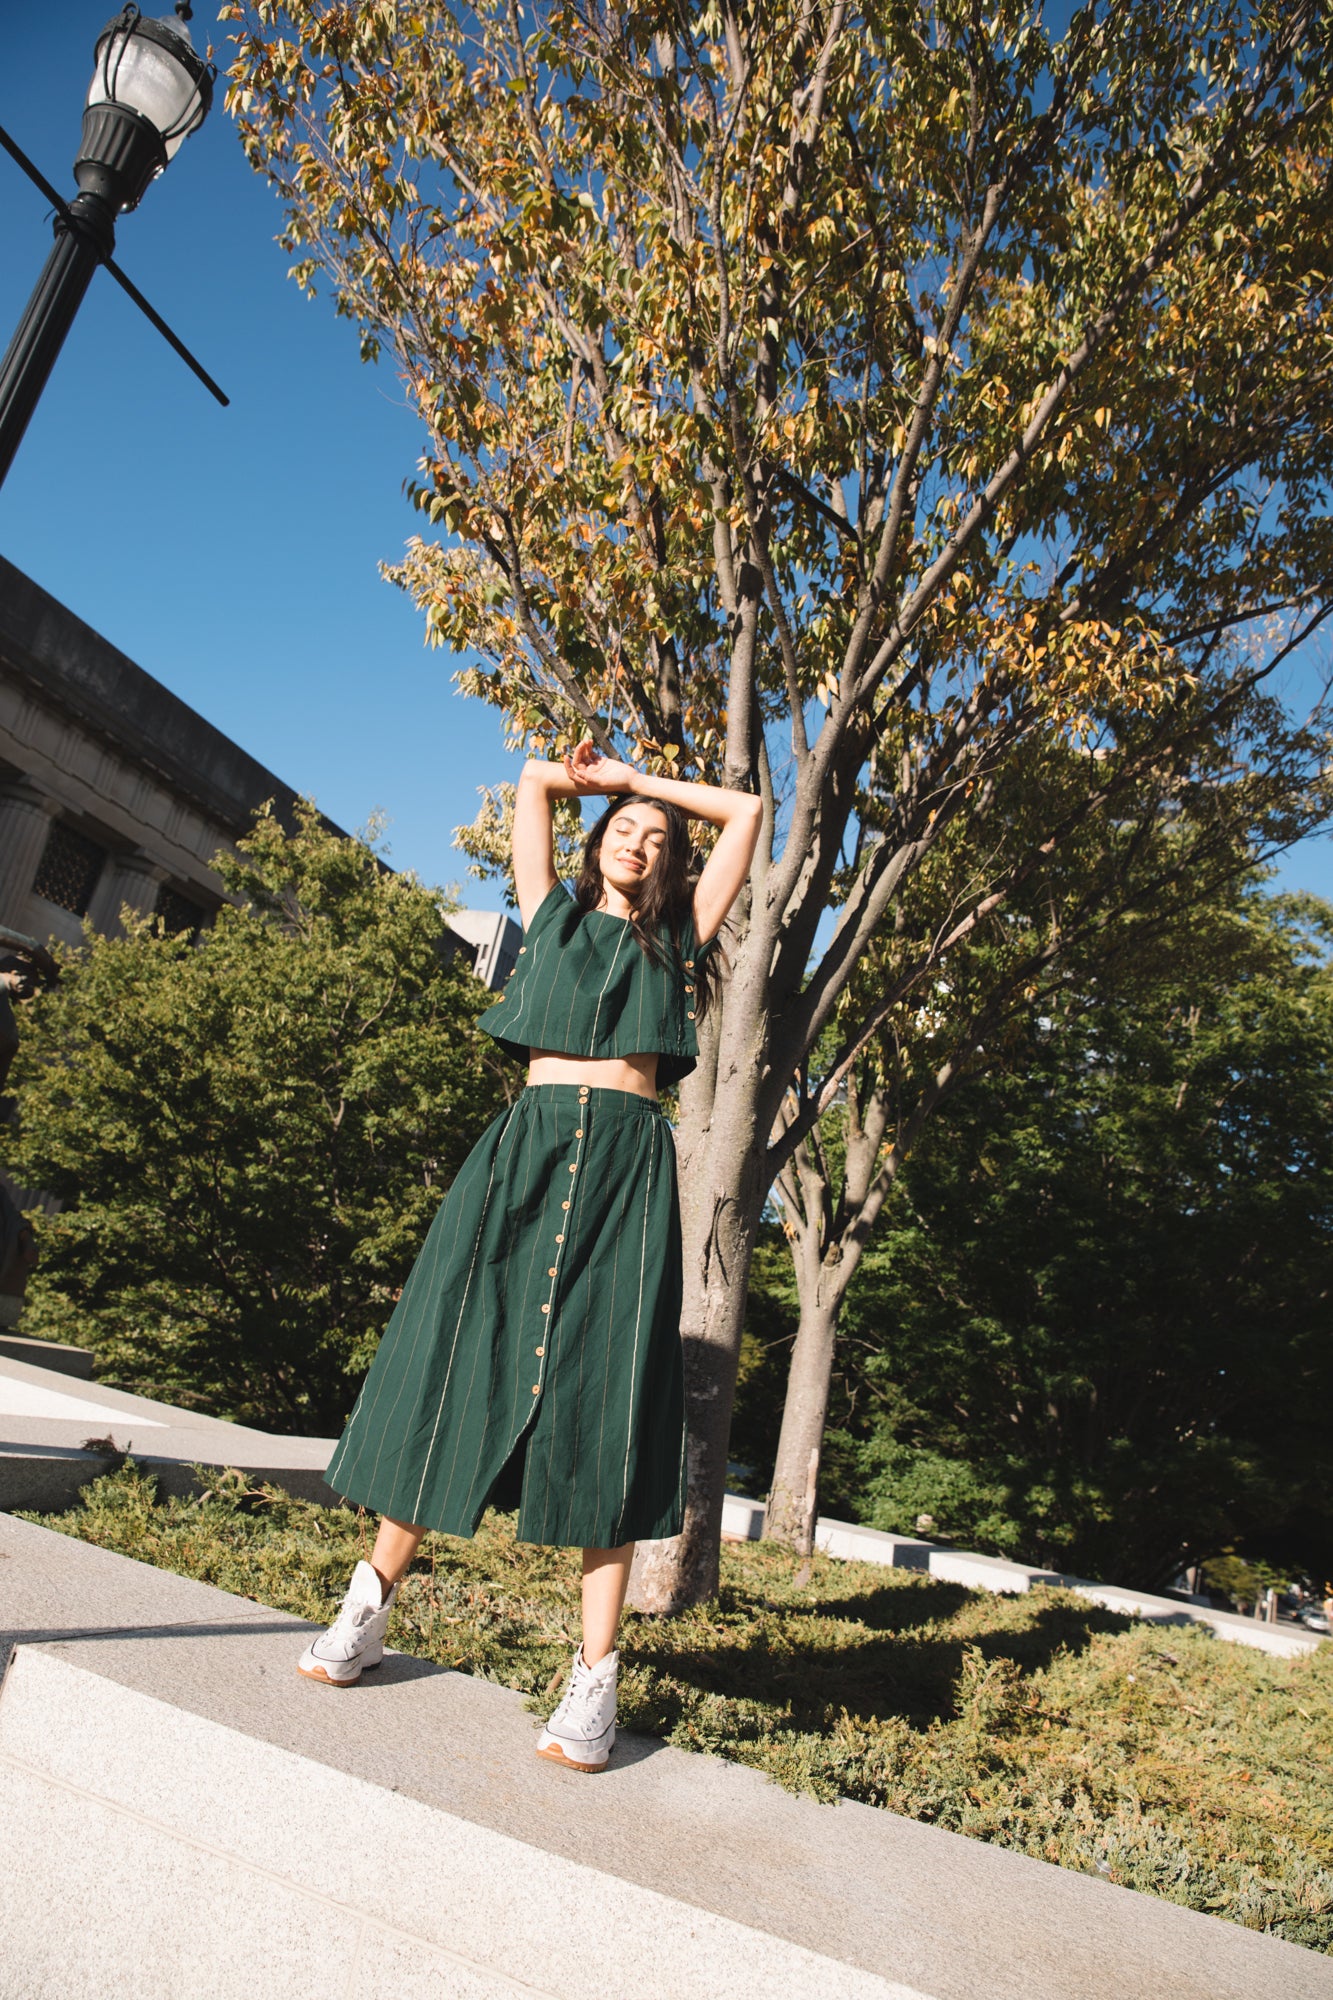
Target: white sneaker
x,y
355,1640
582,1732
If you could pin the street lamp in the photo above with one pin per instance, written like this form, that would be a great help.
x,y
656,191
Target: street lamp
x,y
150,90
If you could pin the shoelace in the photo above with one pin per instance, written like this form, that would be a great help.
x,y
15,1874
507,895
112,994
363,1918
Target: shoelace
x,y
575,1710
350,1619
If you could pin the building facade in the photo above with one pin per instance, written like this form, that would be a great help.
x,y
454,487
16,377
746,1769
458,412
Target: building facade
x,y
114,792
493,938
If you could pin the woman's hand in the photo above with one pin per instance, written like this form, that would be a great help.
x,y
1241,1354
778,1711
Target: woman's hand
x,y
593,775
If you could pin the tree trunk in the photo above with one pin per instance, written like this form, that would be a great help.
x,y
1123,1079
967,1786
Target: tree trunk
x,y
827,1230
720,1154
790,1515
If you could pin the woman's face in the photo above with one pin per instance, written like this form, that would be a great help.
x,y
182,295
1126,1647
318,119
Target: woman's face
x,y
631,847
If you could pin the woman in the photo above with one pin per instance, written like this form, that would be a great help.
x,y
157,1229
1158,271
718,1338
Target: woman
x,y
534,1358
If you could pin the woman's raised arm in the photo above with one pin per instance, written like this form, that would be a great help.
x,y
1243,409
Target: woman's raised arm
x,y
539,786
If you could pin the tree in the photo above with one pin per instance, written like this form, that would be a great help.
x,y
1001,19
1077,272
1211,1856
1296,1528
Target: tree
x,y
1095,1333
846,403
252,1133
1112,911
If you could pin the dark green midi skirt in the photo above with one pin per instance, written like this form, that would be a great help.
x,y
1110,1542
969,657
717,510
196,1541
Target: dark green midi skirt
x,y
534,1357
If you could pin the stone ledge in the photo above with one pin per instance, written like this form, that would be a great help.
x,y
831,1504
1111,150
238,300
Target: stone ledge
x,y
46,1474
223,1829
43,1466
53,1354
743,1520
45,1426
106,1403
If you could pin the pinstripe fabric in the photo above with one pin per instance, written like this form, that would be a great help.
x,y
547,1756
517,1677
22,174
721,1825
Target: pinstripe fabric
x,y
582,985
535,1352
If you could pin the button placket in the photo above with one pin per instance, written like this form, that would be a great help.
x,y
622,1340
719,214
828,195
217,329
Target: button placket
x,y
553,1270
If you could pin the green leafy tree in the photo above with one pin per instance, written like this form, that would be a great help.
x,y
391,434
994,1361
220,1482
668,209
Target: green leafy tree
x,y
1111,910
843,404
251,1133
1095,1331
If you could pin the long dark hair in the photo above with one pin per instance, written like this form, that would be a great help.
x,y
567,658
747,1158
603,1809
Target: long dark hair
x,y
666,902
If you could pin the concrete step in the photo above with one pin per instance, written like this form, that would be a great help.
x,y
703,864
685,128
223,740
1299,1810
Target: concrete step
x,y
54,1354
185,1815
57,1434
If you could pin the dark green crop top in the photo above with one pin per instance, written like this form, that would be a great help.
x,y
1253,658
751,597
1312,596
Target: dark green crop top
x,y
583,986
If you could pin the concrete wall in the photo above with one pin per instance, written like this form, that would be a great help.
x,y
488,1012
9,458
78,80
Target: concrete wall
x,y
743,1520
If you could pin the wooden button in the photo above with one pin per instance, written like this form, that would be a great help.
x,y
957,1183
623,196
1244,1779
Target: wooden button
x,y
546,1309
579,1133
564,1204
560,1238
551,1272
536,1388
540,1352
689,1017
522,948
689,965
573,1169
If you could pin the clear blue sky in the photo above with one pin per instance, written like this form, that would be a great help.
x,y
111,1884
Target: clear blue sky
x,y
233,553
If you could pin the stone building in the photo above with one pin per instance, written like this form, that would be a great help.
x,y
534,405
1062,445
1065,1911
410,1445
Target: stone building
x,y
493,938
113,791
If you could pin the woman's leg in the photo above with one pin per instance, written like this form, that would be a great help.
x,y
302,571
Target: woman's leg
x,y
395,1545
605,1581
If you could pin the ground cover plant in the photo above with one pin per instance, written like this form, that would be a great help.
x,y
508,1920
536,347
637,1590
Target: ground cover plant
x,y
1165,1760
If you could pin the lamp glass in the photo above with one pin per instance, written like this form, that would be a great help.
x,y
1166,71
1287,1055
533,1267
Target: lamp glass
x,y
149,79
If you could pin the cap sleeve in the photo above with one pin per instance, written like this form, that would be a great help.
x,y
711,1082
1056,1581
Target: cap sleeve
x,y
694,950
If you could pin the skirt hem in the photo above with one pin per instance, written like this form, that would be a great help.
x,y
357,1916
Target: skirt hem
x,y
570,1535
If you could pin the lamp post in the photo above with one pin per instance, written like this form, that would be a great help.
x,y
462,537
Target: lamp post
x,y
149,91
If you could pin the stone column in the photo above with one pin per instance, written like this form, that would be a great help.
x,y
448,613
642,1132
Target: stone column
x,y
127,878
25,821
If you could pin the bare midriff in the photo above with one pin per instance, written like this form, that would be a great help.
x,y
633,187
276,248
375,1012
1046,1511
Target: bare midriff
x,y
634,1073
